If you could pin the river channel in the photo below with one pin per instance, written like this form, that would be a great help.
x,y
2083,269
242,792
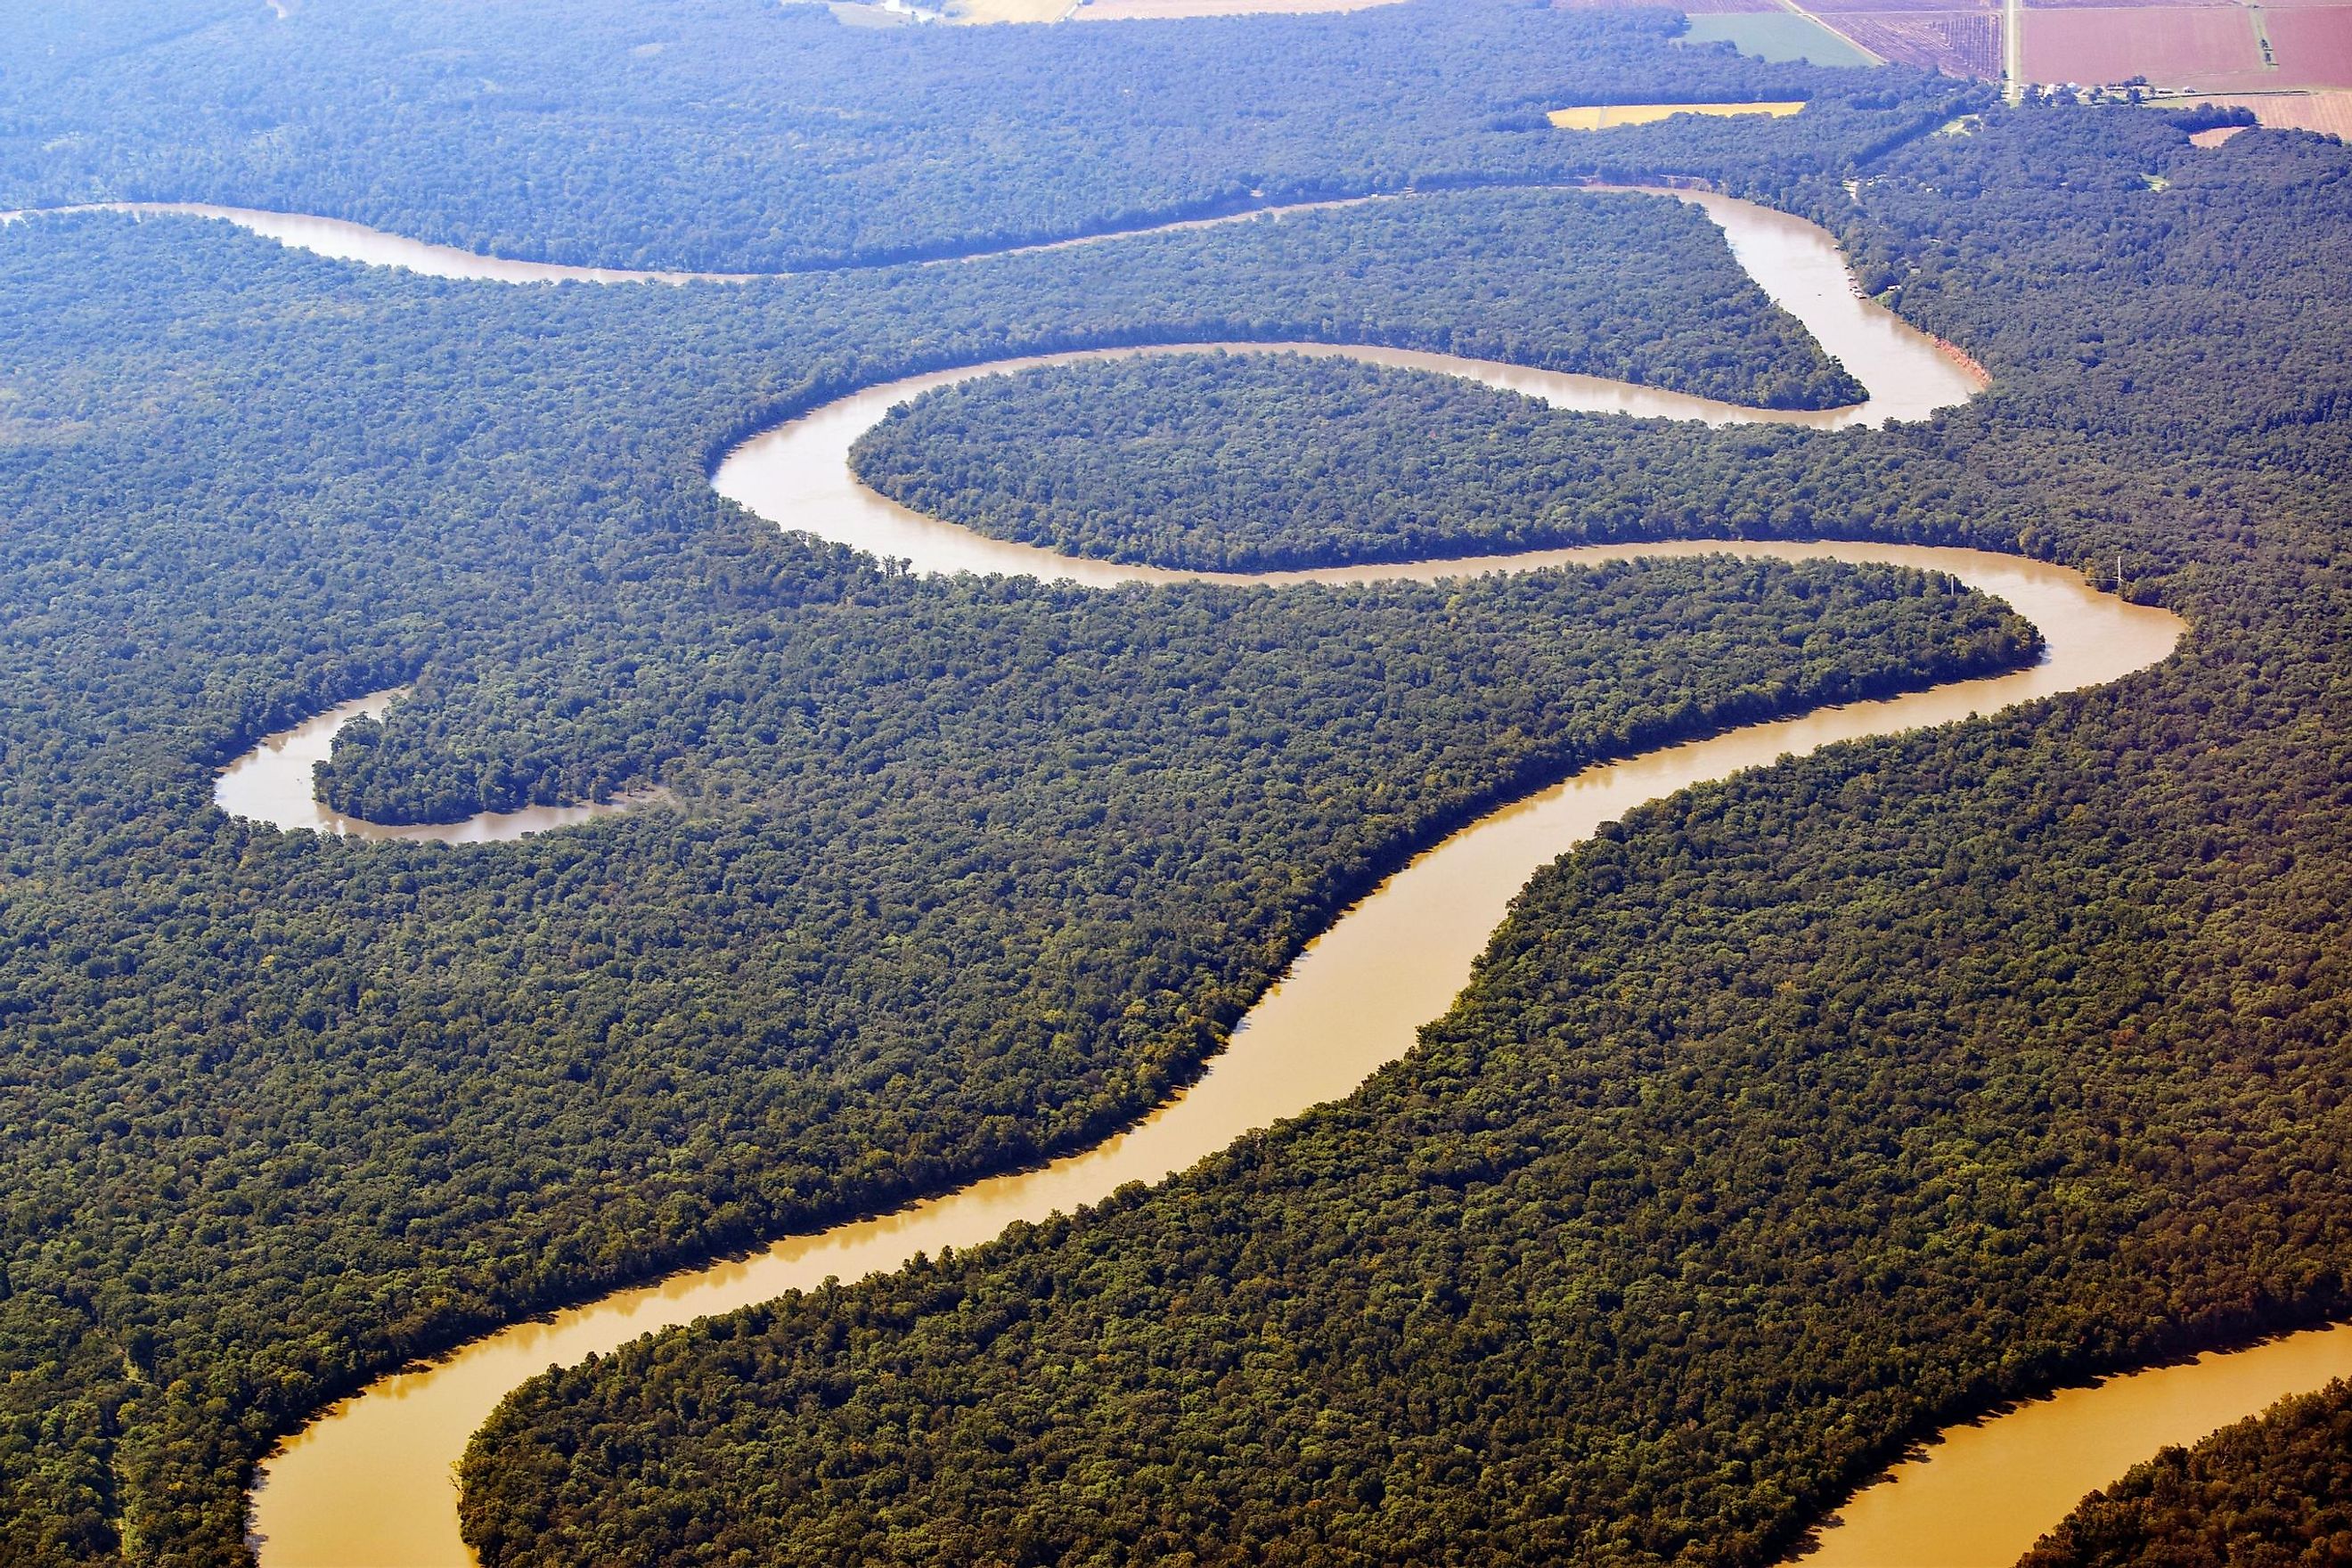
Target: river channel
x,y
345,241
273,783
369,1483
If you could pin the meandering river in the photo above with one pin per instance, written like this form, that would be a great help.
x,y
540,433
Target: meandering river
x,y
272,782
346,241
369,1481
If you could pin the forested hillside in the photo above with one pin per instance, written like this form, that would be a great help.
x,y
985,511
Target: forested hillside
x,y
2272,1492
1799,1115
745,135
960,872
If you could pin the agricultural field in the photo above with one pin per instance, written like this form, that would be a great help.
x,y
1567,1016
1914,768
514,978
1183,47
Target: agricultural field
x,y
1152,10
1956,42
2329,113
986,11
2221,46
2165,45
2224,46
1609,116
1780,36
1696,7
1959,37
2313,44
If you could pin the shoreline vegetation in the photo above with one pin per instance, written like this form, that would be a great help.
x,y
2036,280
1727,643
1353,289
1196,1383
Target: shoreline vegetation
x,y
1779,1213
1255,462
869,800
2275,1488
2041,1015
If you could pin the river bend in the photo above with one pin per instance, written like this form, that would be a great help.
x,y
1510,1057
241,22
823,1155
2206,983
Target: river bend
x,y
369,1481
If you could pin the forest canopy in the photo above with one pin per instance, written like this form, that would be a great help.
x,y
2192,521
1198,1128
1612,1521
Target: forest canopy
x,y
283,1112
1800,1114
744,135
1255,462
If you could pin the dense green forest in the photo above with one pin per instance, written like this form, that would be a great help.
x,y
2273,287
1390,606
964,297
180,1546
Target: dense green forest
x,y
1798,1115
279,1112
1803,1112
741,134
2272,1492
1255,462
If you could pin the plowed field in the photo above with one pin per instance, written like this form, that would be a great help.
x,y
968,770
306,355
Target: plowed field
x,y
1957,43
2330,114
2171,46
2314,45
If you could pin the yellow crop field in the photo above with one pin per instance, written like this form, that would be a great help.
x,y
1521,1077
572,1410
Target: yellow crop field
x,y
1140,10
986,11
1608,116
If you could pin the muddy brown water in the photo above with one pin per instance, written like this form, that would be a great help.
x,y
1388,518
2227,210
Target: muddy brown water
x,y
272,782
369,1481
346,241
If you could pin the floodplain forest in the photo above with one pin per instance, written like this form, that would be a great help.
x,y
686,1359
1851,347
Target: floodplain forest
x,y
1749,1152
1797,1115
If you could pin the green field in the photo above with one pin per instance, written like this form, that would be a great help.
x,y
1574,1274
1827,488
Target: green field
x,y
1778,37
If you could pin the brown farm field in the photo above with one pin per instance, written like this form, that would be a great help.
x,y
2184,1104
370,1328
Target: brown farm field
x,y
2171,45
2313,44
1957,43
2329,113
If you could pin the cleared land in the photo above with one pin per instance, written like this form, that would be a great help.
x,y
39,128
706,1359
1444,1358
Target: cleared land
x,y
2313,44
1608,116
1841,10
1157,10
2199,43
985,10
1778,35
1957,43
2168,45
2330,114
